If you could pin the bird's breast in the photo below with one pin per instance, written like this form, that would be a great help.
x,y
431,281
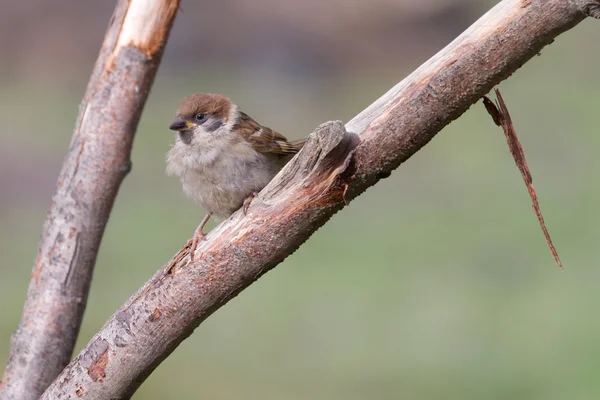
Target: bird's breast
x,y
220,177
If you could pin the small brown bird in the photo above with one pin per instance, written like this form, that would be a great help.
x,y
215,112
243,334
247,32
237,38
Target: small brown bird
x,y
222,156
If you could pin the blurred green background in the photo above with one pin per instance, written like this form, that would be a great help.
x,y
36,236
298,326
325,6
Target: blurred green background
x,y
436,283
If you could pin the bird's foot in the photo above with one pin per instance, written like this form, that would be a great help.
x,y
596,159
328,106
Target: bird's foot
x,y
247,202
199,235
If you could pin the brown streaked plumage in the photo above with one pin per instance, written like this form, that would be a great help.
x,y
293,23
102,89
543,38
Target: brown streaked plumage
x,y
222,156
263,139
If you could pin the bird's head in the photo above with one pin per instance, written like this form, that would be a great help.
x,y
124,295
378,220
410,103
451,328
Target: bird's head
x,y
203,114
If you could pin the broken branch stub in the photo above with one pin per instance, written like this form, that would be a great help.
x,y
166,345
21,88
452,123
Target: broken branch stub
x,y
318,166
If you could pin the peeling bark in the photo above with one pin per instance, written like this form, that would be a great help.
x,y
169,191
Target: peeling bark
x,y
97,162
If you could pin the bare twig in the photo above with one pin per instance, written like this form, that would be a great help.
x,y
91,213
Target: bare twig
x,y
335,166
501,117
93,170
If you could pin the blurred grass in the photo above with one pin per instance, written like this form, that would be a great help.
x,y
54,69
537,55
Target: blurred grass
x,y
436,283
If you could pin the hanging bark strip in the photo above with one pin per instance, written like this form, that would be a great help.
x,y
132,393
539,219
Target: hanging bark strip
x,y
501,117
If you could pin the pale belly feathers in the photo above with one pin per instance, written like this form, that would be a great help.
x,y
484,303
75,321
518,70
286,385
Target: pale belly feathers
x,y
220,177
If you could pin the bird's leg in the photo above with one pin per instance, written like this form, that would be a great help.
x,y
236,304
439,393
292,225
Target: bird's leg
x,y
247,202
199,235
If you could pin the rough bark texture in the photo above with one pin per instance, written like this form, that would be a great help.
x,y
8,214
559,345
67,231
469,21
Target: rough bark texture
x,y
97,162
334,167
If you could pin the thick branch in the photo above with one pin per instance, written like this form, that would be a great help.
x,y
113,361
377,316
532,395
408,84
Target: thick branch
x,y
97,162
334,167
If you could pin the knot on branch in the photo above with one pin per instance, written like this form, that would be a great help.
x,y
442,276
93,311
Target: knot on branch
x,y
590,8
593,10
324,157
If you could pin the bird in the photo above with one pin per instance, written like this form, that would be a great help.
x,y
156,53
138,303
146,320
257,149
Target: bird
x,y
222,156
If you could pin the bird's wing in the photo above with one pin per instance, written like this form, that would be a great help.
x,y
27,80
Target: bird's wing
x,y
265,140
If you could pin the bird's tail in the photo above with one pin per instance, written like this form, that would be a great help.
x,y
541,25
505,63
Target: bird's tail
x,y
297,144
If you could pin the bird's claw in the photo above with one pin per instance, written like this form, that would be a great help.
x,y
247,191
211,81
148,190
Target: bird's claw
x,y
198,235
247,202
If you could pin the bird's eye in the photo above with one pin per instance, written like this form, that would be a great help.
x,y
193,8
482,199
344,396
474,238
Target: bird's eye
x,y
200,117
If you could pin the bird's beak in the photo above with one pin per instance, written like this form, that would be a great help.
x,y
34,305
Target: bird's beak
x,y
180,124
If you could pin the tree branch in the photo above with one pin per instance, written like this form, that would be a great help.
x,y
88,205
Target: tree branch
x,y
97,162
334,167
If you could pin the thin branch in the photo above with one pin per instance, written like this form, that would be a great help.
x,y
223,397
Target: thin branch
x,y
333,168
97,162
